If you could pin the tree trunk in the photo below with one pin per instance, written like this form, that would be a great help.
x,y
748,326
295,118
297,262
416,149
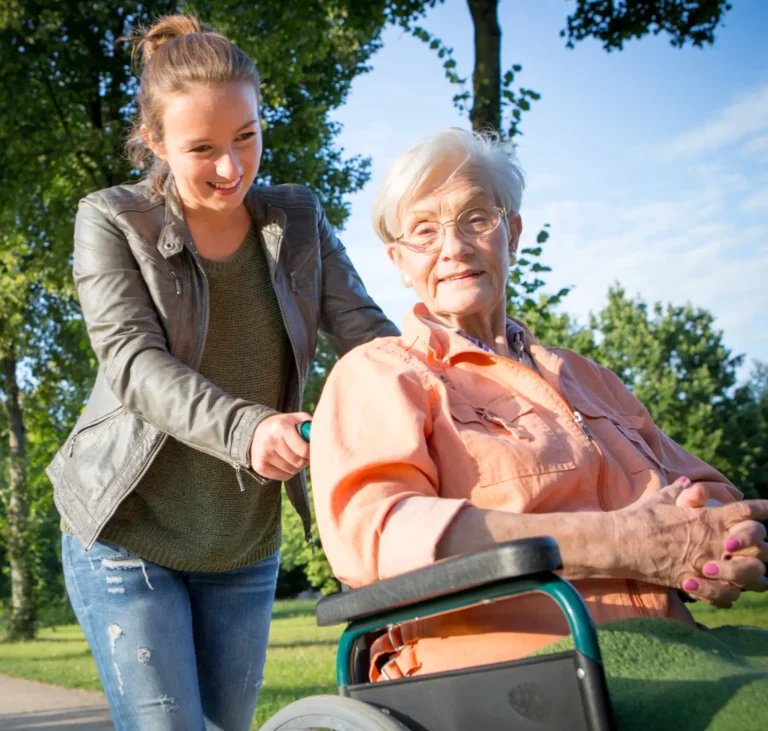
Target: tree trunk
x,y
486,78
22,616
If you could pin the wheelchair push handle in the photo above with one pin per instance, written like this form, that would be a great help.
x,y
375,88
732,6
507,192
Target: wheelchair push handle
x,y
304,428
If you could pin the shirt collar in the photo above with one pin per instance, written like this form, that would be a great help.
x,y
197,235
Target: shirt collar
x,y
444,342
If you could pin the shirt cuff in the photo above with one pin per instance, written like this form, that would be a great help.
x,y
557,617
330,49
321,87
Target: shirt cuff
x,y
412,531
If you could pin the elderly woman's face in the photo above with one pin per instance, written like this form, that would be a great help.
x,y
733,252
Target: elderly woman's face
x,y
464,276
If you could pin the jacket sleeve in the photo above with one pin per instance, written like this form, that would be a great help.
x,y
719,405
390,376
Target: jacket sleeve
x,y
132,350
675,460
374,483
348,315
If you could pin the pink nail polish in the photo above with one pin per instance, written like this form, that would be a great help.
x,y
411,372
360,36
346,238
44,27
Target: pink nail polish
x,y
682,481
711,569
732,544
691,585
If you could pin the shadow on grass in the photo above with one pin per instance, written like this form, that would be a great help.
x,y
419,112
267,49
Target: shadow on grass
x,y
83,719
290,609
83,655
303,643
42,640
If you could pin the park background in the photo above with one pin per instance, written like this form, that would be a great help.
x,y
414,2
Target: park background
x,y
644,138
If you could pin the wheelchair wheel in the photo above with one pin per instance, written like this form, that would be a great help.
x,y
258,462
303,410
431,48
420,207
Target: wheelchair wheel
x,y
332,713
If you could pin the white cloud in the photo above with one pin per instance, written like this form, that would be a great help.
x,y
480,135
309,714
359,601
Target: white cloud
x,y
756,145
687,249
744,116
537,182
756,202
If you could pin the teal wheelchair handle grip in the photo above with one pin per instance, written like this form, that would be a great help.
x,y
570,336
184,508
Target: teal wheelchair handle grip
x,y
304,429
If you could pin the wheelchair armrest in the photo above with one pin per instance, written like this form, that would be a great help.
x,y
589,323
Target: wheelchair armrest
x,y
511,560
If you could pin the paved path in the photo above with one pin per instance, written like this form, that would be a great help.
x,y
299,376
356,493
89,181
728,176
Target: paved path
x,y
29,706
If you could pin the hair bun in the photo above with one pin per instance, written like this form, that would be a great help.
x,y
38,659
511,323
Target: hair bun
x,y
166,28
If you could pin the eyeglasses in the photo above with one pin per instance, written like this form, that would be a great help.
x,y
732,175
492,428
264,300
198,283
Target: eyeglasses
x,y
425,236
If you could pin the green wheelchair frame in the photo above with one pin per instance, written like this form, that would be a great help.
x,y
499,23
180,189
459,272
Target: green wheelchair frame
x,y
564,690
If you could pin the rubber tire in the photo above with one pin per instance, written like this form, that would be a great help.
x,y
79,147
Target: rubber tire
x,y
332,712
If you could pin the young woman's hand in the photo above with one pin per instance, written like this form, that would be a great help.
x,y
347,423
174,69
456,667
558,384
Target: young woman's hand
x,y
278,451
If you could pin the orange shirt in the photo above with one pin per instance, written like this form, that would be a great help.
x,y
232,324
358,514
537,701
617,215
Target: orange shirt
x,y
411,429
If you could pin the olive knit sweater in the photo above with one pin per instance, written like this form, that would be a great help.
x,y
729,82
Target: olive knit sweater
x,y
188,512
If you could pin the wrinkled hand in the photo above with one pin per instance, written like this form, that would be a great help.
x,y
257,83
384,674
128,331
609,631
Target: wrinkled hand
x,y
713,553
278,451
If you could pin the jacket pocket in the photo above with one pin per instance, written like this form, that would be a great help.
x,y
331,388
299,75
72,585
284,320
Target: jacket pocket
x,y
621,435
87,437
507,439
98,453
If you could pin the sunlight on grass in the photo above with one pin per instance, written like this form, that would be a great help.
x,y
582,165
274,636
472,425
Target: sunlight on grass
x,y
300,661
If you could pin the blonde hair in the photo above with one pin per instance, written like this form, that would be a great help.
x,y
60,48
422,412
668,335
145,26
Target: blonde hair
x,y
177,52
431,162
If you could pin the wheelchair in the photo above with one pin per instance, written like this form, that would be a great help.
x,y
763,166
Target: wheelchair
x,y
565,690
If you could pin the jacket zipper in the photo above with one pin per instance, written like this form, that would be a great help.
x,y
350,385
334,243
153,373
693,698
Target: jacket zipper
x,y
308,537
90,426
575,416
632,587
579,419
177,281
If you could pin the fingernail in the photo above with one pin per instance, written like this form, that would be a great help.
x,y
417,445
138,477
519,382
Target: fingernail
x,y
732,544
682,481
711,569
691,585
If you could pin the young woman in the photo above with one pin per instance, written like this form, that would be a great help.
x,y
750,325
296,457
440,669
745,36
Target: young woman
x,y
203,295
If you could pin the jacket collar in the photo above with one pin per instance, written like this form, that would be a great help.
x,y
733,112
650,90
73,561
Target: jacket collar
x,y
176,234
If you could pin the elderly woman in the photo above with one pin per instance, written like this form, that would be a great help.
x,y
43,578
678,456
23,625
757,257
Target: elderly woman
x,y
465,432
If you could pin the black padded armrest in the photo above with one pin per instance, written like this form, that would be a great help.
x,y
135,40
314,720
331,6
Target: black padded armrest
x,y
505,561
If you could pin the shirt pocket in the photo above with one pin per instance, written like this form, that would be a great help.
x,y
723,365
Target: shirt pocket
x,y
620,434
507,440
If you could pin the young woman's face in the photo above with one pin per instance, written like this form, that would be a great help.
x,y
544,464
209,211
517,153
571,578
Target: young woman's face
x,y
212,143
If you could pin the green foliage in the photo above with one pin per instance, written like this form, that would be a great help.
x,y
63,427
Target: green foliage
x,y
675,362
743,448
613,23
302,565
68,95
512,102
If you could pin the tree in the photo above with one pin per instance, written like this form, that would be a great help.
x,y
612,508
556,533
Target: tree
x,y
743,448
497,105
68,94
674,360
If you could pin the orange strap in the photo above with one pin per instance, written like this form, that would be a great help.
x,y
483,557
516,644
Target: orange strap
x,y
400,656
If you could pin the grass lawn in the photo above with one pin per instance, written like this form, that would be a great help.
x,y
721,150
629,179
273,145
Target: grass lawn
x,y
300,661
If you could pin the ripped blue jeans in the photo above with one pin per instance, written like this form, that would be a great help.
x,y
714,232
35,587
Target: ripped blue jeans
x,y
175,650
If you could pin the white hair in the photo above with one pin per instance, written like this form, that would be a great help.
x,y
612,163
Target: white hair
x,y
433,161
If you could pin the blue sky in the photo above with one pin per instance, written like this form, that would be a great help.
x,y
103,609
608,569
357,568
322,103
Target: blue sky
x,y
650,164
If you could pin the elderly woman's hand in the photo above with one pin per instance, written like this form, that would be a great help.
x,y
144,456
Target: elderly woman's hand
x,y
712,553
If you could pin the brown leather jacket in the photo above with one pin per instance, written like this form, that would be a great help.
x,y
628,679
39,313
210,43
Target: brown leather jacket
x,y
144,298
